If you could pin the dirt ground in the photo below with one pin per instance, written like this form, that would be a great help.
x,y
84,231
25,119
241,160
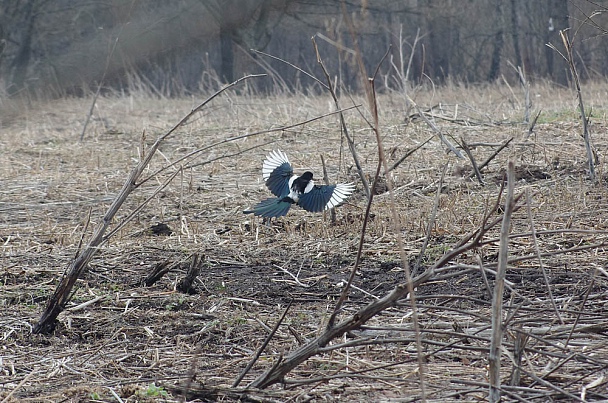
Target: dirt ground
x,y
120,340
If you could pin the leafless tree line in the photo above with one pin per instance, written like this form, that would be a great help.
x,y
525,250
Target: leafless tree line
x,y
58,47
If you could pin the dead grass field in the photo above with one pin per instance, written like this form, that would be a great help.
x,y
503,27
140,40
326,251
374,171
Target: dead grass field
x,y
135,343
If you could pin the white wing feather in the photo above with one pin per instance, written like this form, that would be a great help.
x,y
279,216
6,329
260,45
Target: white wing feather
x,y
273,160
341,193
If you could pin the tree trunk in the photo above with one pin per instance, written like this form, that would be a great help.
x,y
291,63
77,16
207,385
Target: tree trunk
x,y
227,55
498,43
22,59
557,19
515,33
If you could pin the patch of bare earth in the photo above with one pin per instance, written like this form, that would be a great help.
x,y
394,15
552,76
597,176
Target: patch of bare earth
x,y
122,340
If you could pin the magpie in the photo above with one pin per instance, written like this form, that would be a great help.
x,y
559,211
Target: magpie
x,y
293,189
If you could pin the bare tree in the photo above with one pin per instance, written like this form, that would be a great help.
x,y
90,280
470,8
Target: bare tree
x,y
557,20
499,41
68,46
515,32
245,23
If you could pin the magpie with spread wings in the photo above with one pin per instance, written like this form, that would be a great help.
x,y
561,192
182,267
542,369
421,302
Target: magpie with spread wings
x,y
293,189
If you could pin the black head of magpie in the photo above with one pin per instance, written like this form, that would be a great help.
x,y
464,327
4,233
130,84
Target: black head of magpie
x,y
293,189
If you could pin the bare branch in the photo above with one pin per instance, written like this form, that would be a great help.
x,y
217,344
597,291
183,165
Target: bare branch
x,y
497,331
63,292
349,139
262,347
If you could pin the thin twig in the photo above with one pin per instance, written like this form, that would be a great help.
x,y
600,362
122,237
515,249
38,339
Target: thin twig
x,y
581,310
526,87
84,231
540,260
262,347
345,290
134,213
435,129
491,157
569,58
332,212
118,399
469,154
235,138
484,276
294,277
191,372
552,386
410,152
353,272
519,345
105,72
533,124
306,73
370,90
23,381
431,221
499,283
349,139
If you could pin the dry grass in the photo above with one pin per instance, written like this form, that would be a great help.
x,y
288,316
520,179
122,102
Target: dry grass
x,y
131,338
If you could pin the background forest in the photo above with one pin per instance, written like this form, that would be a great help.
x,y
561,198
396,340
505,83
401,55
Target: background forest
x,y
177,47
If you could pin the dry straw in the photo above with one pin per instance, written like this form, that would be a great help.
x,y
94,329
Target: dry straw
x,y
119,338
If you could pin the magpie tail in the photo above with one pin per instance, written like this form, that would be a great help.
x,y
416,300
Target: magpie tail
x,y
273,207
